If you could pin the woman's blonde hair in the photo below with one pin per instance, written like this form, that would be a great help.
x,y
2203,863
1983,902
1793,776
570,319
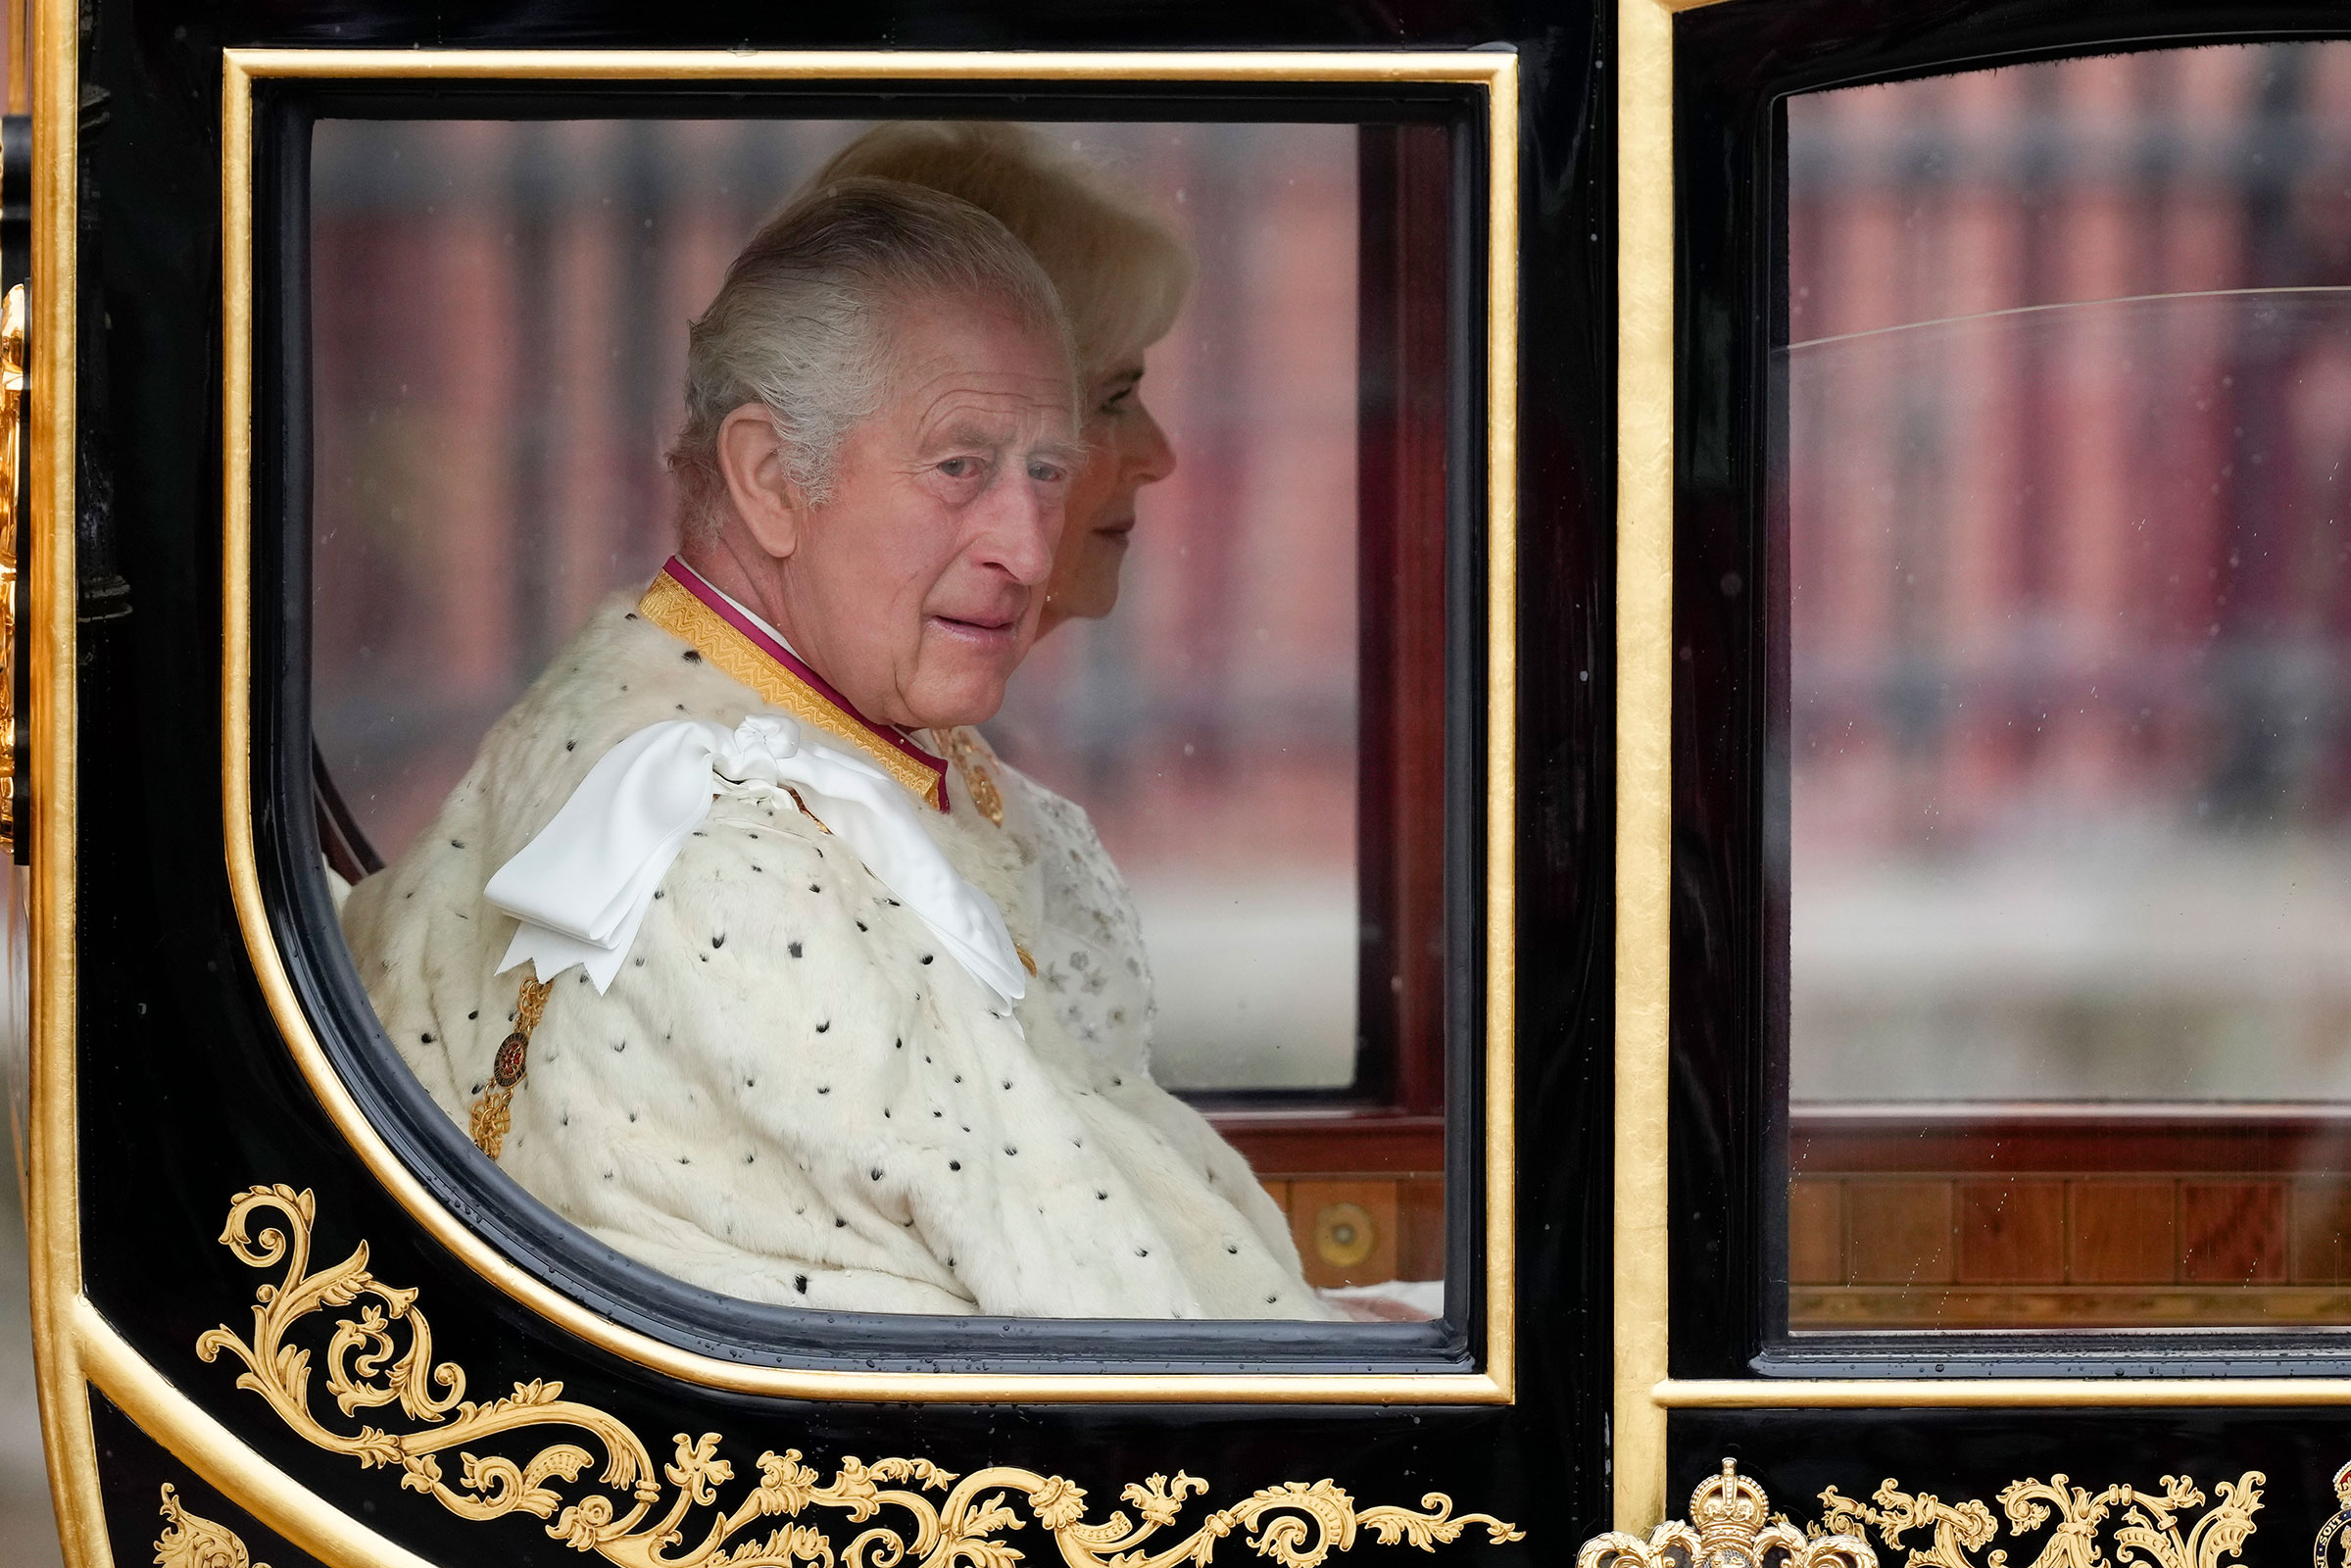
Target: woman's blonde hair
x,y
1122,274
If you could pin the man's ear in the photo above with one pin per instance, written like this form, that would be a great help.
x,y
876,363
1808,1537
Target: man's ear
x,y
750,454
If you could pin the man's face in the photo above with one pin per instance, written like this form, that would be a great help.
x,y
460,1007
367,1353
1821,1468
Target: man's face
x,y
916,587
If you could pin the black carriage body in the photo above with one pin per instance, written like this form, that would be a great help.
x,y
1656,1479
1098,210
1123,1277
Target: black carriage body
x,y
1625,1328
186,1094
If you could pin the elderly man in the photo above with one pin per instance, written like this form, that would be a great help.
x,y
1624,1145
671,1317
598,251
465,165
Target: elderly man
x,y
736,945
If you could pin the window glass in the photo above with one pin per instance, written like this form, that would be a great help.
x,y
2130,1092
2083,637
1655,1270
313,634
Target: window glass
x,y
499,331
2067,414
500,313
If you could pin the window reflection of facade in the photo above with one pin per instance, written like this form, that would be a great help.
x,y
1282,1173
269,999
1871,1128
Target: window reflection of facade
x,y
2069,576
2073,587
491,389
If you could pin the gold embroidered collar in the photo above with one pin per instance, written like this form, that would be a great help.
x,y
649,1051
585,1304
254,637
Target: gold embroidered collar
x,y
687,608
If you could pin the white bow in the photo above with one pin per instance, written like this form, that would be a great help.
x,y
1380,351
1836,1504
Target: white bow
x,y
581,888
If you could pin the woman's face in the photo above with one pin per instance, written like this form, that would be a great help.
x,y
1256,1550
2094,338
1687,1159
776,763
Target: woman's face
x,y
1125,449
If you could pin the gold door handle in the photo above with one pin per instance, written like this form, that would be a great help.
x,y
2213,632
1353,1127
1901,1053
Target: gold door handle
x,y
12,445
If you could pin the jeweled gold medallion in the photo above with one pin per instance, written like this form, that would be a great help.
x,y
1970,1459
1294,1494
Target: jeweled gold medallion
x,y
507,1070
490,1118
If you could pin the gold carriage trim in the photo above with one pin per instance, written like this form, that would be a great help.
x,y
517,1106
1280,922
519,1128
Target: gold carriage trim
x,y
630,1517
1731,1525
191,1540
2149,1532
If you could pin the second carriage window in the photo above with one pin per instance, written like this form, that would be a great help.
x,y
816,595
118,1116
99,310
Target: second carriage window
x,y
2068,618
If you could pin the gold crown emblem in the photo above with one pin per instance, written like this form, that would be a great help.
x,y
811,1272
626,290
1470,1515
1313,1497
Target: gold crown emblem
x,y
1730,1525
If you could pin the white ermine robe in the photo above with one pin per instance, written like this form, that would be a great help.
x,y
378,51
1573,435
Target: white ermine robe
x,y
790,1093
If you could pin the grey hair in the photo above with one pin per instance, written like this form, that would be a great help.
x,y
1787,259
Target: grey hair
x,y
1122,273
803,323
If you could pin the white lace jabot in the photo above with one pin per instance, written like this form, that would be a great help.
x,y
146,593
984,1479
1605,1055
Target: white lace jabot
x,y
582,887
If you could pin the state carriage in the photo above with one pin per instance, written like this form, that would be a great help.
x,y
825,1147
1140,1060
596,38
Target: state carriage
x,y
1825,764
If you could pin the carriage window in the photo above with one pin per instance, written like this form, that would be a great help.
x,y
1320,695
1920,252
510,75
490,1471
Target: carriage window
x,y
1198,801
2066,399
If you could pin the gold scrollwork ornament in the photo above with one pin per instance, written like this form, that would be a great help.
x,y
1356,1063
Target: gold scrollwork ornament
x,y
1953,1532
2150,1533
191,1540
1730,1525
367,1366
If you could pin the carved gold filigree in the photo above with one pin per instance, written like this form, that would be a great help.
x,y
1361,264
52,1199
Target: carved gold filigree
x,y
2149,1534
1955,1532
1731,1525
191,1540
631,1518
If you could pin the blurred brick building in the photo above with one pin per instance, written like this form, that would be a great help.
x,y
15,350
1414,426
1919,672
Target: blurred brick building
x,y
2068,580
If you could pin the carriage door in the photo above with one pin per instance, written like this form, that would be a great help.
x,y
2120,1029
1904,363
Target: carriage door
x,y
1989,611
357,337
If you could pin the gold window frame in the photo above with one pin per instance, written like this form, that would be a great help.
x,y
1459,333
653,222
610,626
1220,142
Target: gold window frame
x,y
1644,1391
1494,71
68,1333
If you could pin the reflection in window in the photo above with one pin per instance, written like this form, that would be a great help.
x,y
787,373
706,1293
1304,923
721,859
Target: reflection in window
x,y
2068,598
